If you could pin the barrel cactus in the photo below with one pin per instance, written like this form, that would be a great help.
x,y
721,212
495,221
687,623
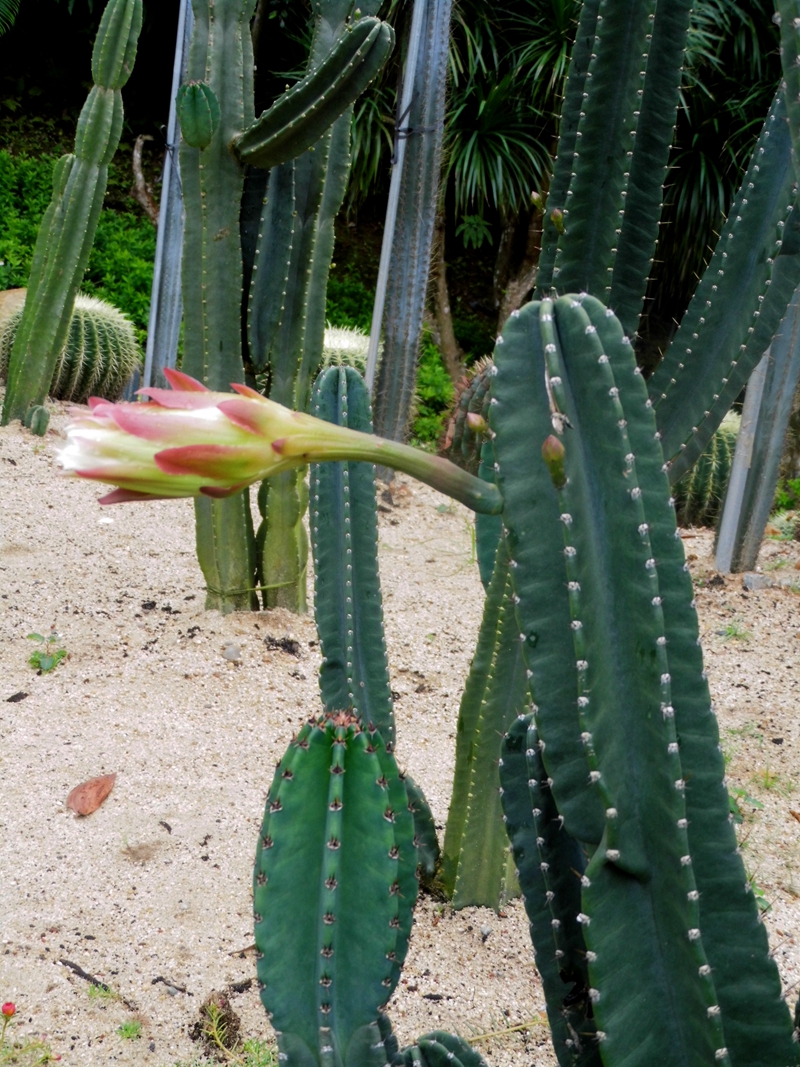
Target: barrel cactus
x,y
345,346
98,358
700,492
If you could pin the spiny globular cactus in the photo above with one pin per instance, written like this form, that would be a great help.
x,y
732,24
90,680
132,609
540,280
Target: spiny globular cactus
x,y
336,855
68,227
700,492
629,742
99,355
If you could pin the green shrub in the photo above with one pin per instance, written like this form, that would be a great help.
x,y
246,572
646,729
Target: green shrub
x,y
121,264
434,394
350,302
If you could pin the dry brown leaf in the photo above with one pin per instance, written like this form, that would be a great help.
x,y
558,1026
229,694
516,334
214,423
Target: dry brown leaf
x,y
795,814
88,796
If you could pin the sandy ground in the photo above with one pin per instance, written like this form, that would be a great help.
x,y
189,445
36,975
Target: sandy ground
x,y
151,894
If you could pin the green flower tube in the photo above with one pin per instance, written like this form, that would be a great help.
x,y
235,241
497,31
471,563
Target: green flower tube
x,y
190,441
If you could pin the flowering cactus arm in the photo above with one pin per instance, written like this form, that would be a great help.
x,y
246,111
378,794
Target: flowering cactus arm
x,y
190,441
301,116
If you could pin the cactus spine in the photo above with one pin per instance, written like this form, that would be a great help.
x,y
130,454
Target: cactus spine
x,y
68,227
99,355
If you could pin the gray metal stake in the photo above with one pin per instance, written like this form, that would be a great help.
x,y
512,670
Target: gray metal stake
x,y
166,305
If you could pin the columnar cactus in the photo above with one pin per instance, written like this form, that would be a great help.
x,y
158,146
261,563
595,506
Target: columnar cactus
x,y
221,136
626,732
68,227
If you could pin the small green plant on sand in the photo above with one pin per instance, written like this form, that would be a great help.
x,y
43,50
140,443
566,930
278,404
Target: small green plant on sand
x,y
253,1053
735,631
102,993
130,1029
26,1053
48,656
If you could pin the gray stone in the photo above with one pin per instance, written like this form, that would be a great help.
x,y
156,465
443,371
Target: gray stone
x,y
232,653
753,581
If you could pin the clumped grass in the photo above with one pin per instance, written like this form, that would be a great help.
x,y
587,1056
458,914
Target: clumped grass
x,y
253,1053
130,1029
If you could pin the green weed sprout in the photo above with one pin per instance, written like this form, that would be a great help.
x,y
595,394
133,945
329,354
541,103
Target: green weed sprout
x,y
130,1029
48,656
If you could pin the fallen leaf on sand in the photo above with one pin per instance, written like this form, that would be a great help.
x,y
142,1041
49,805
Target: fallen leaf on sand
x,y
795,814
88,796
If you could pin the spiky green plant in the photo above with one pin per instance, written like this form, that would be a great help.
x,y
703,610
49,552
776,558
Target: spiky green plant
x,y
700,492
99,355
68,227
283,261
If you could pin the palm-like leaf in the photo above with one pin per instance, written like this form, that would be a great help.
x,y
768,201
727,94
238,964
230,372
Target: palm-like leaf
x,y
8,12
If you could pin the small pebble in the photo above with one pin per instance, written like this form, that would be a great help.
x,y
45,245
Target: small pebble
x,y
485,931
232,653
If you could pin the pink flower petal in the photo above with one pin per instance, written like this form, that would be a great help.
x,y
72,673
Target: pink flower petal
x,y
148,421
246,415
180,381
166,398
124,496
212,461
245,390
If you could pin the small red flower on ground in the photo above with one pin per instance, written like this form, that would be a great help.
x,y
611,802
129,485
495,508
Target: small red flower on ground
x,y
8,1009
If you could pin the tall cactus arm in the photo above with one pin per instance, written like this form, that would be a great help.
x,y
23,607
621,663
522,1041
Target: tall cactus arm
x,y
737,306
480,877
550,865
520,418
595,203
789,18
636,879
755,1019
268,284
571,114
638,232
301,116
467,725
344,535
79,188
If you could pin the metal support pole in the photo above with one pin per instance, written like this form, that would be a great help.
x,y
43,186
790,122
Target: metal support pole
x,y
403,108
166,306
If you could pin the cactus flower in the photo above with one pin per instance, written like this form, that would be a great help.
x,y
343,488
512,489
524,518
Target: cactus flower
x,y
189,441
8,1009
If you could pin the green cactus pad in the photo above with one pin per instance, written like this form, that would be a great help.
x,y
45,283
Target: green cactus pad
x,y
334,857
37,419
301,116
198,114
